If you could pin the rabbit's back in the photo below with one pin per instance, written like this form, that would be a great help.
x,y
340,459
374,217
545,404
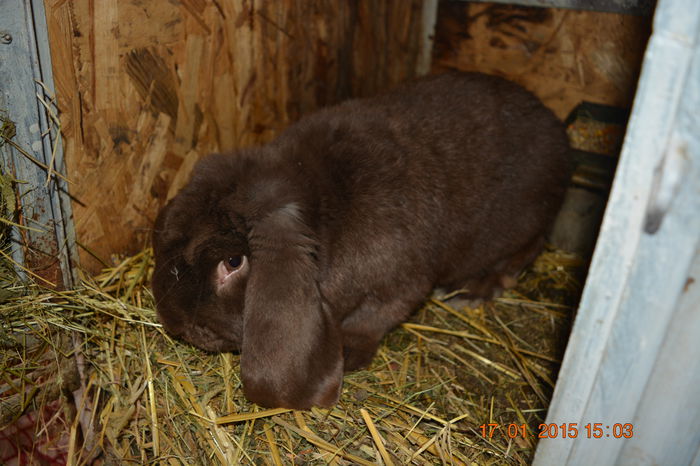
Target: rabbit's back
x,y
441,178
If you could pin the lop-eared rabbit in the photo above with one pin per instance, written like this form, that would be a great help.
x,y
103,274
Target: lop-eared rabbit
x,y
304,252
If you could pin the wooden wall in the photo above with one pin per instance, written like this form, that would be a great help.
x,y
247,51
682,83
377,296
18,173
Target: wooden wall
x,y
145,88
563,56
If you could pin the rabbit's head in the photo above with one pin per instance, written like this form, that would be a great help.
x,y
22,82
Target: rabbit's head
x,y
237,269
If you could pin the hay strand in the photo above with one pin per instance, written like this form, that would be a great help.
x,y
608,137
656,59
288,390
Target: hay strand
x,y
377,437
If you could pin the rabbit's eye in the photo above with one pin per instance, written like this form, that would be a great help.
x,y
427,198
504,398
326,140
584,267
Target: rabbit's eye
x,y
234,262
227,270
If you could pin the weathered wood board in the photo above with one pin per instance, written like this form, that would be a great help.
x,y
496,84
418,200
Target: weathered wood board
x,y
147,88
30,149
563,56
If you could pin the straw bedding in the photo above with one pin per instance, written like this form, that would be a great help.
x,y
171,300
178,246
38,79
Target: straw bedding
x,y
88,376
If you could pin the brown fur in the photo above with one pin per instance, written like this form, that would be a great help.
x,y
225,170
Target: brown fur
x,y
349,219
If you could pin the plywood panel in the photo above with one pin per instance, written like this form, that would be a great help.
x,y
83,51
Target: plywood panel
x,y
147,88
563,56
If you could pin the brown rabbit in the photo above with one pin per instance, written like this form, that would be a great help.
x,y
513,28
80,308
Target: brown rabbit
x,y
305,252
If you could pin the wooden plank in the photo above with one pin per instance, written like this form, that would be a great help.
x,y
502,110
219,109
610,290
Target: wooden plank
x,y
429,20
562,56
636,280
25,62
227,74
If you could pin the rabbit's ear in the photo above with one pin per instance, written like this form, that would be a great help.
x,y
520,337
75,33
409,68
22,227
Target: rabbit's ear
x,y
292,351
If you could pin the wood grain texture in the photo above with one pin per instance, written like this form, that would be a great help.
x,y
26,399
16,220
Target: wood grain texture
x,y
147,88
563,56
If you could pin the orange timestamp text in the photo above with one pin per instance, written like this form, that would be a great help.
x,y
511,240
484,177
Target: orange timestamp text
x,y
564,430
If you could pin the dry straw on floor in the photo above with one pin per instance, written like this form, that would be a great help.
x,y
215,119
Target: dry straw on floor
x,y
103,383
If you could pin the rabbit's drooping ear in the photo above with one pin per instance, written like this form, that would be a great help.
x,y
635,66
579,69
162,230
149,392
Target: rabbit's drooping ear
x,y
292,352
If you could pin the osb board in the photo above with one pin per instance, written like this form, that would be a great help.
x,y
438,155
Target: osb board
x,y
563,56
147,88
